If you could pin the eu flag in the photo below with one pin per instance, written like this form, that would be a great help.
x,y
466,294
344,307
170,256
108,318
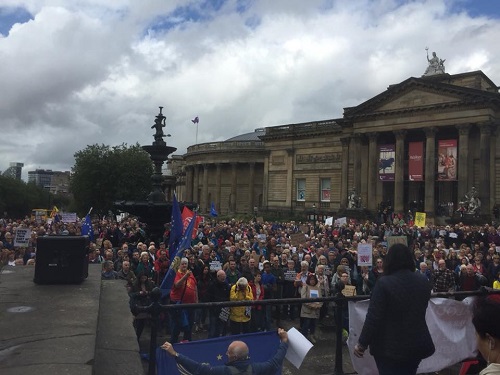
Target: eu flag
x,y
262,347
87,228
176,226
185,242
213,211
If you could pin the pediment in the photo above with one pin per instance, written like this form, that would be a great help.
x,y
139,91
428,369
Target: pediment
x,y
416,98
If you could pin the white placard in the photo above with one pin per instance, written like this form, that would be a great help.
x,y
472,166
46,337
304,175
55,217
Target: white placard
x,y
329,220
298,347
68,217
22,238
215,266
365,254
341,221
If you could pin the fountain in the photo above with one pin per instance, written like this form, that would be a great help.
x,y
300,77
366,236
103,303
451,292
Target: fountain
x,y
155,211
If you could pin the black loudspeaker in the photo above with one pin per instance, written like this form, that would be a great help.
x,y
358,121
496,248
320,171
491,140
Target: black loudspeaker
x,y
61,259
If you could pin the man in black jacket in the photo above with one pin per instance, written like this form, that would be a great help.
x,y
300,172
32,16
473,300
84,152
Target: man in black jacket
x,y
218,291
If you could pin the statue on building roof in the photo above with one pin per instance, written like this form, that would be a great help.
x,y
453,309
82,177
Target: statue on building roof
x,y
436,65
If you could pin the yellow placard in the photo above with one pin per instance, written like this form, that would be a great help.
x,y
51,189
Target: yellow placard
x,y
420,219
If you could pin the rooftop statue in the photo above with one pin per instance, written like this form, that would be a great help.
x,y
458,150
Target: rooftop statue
x,y
436,65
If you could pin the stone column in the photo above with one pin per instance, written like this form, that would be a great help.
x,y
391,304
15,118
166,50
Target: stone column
x,y
357,163
345,172
218,187
484,170
371,204
289,176
189,183
251,184
232,206
265,182
399,171
463,159
196,184
430,170
205,201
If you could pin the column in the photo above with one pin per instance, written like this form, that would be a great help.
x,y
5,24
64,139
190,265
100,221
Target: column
x,y
265,181
218,187
399,171
232,206
463,159
356,180
484,170
289,177
251,183
430,170
189,183
205,201
345,172
196,183
371,204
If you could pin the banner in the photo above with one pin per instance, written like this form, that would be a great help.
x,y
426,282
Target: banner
x,y
447,160
340,221
450,325
416,161
387,156
262,347
187,215
22,238
420,219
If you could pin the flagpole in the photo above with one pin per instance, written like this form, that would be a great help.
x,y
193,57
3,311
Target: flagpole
x,y
196,142
91,208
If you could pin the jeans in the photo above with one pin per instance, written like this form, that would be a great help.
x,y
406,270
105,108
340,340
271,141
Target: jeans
x,y
387,366
308,324
217,326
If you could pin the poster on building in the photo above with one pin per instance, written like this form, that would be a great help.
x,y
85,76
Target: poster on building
x,y
387,157
447,160
416,161
22,238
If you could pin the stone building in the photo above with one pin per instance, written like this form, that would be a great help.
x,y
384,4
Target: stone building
x,y
422,144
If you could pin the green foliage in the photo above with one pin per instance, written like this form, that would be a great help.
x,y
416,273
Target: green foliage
x,y
18,198
104,174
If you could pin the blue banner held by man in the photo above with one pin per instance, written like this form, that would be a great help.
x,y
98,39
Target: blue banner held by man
x,y
176,226
87,228
261,345
213,211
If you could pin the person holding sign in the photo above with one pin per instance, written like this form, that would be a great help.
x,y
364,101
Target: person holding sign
x,y
310,311
395,329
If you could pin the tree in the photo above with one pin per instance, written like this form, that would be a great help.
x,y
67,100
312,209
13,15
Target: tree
x,y
104,174
18,198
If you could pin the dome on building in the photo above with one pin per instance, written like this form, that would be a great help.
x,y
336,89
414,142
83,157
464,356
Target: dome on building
x,y
253,136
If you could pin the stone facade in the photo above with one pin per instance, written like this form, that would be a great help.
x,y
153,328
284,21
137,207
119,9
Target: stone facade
x,y
312,166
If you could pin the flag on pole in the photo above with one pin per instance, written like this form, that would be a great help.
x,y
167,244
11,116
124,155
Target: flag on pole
x,y
187,217
87,228
168,280
195,120
213,211
176,227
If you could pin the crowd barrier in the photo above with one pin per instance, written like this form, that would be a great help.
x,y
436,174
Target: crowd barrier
x,y
156,308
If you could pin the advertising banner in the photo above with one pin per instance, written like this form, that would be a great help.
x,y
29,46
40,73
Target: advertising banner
x,y
447,160
386,169
416,161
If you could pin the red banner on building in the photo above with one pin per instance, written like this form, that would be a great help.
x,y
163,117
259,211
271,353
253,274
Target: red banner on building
x,y
447,160
386,168
416,161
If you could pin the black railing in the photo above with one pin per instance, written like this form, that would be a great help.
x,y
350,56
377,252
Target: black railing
x,y
155,308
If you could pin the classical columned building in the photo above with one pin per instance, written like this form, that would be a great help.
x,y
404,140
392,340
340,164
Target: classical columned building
x,y
229,174
422,145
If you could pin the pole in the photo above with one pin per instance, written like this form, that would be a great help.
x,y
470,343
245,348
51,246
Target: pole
x,y
196,142
339,303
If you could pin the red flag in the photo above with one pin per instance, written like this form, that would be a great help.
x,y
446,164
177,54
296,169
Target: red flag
x,y
187,215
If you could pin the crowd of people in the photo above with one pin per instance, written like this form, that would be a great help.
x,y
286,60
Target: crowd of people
x,y
250,260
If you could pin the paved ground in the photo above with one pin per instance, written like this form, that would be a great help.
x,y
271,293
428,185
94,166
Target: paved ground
x,y
53,329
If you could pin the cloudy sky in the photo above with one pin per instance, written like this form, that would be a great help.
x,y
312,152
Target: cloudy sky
x,y
75,73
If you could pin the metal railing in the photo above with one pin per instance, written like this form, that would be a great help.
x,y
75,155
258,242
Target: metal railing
x,y
155,308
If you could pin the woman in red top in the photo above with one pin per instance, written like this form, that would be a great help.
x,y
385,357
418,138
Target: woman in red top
x,y
184,290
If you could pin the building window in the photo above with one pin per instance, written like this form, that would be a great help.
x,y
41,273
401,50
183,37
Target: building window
x,y
325,190
301,189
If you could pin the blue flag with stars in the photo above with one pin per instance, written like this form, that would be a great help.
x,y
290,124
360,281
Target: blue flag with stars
x,y
87,228
261,345
176,226
213,211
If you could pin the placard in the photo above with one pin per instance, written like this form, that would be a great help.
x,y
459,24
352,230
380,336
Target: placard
x,y
392,240
420,219
298,239
365,254
215,266
22,238
340,221
349,291
68,217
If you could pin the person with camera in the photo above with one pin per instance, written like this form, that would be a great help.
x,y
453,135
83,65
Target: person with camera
x,y
240,316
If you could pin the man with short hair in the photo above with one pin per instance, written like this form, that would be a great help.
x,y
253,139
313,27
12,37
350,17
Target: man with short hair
x,y
125,273
218,291
238,360
444,279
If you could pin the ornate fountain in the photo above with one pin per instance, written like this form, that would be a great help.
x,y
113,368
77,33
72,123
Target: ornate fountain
x,y
155,211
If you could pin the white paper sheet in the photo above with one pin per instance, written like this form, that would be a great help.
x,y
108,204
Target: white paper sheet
x,y
298,347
